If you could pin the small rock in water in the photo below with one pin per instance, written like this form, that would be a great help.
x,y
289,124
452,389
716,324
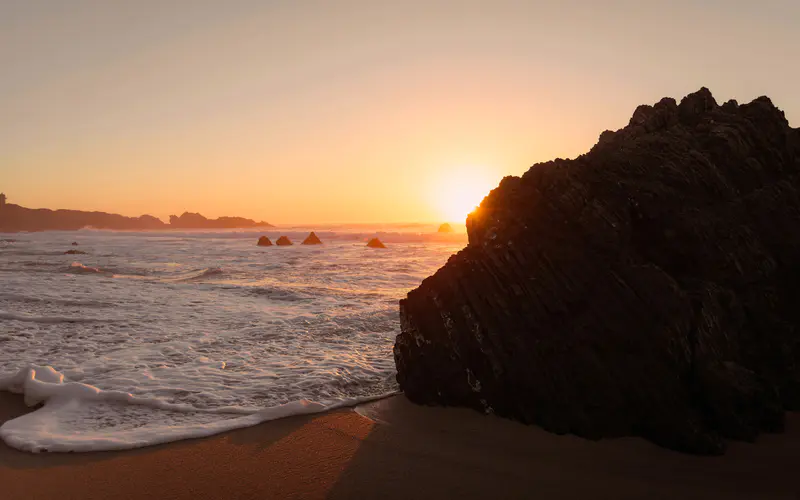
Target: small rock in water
x,y
74,252
445,228
375,243
284,241
264,242
312,239
74,243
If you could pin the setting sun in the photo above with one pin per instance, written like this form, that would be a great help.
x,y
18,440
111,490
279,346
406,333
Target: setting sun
x,y
460,191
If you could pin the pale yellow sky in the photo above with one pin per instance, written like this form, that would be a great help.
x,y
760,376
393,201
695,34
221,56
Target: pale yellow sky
x,y
348,111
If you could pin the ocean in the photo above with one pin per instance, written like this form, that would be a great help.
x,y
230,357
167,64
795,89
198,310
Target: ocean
x,y
155,337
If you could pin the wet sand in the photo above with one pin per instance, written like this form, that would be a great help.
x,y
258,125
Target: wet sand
x,y
401,451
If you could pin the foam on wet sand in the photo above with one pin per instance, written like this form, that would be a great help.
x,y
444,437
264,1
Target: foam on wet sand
x,y
60,423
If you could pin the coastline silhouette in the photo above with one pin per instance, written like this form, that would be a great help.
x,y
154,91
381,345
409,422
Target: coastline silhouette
x,y
15,218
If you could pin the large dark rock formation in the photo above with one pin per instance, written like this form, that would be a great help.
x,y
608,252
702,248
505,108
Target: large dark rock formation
x,y
312,239
649,287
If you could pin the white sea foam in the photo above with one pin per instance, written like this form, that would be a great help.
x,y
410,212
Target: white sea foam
x,y
211,332
60,425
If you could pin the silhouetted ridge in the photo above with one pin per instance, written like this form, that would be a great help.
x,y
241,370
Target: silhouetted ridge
x,y
645,288
190,220
17,218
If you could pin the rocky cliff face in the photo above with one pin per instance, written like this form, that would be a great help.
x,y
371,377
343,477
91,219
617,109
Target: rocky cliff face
x,y
649,287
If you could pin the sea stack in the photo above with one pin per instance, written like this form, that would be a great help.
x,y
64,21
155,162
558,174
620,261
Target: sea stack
x,y
445,228
375,243
645,288
312,239
283,241
264,242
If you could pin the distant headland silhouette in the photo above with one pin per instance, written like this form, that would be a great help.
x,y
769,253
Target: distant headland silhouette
x,y
14,218
196,221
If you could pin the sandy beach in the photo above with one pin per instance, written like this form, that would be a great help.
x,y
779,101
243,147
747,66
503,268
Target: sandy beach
x,y
393,449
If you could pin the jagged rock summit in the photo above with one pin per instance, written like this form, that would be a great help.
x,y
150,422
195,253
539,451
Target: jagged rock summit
x,y
648,287
312,239
375,243
283,241
263,241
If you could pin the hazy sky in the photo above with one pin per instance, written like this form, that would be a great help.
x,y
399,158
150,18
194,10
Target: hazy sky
x,y
349,111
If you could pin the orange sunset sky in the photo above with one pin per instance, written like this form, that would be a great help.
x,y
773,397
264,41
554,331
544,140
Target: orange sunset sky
x,y
348,111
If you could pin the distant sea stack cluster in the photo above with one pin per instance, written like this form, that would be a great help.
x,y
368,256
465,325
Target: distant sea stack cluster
x,y
311,239
648,287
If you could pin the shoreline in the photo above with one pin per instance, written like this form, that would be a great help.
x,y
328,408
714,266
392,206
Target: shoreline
x,y
394,449
124,440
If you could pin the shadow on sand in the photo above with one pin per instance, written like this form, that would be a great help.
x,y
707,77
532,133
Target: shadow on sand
x,y
393,449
